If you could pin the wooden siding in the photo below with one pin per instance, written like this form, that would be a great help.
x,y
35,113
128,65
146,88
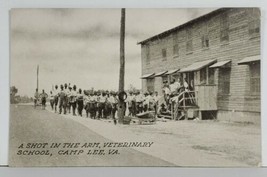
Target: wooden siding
x,y
241,44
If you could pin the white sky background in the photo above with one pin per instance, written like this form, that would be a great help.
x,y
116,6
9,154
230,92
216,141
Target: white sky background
x,y
81,46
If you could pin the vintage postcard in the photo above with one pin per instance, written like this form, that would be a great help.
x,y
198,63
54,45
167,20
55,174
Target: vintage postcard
x,y
135,87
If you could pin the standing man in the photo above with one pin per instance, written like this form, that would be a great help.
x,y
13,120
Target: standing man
x,y
68,92
65,102
56,97
62,96
36,97
92,105
80,102
73,98
102,102
156,98
52,99
114,103
130,99
139,102
43,96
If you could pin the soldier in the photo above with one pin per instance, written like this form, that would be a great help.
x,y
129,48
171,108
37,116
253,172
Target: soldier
x,y
52,99
92,105
108,106
130,99
146,102
73,102
114,103
62,101
43,97
86,100
98,94
139,102
36,97
102,102
56,95
65,103
68,98
80,102
156,98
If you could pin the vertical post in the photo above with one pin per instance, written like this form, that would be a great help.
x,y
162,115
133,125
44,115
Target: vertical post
x,y
37,77
121,105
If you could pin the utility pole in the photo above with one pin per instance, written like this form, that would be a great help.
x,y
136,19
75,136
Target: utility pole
x,y
121,105
38,77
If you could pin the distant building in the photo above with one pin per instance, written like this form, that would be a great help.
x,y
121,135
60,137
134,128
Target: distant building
x,y
219,56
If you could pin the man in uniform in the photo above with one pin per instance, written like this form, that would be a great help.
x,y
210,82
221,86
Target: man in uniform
x,y
114,103
102,102
52,99
65,103
56,96
62,97
130,100
73,97
80,97
108,106
68,93
43,96
36,97
146,102
139,102
92,104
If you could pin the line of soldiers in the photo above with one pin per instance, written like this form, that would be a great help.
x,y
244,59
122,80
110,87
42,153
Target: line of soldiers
x,y
99,104
95,103
103,104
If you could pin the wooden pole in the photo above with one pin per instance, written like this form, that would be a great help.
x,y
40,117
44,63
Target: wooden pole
x,y
38,77
121,105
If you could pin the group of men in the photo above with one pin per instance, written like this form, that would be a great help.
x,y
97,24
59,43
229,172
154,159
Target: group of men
x,y
69,99
103,104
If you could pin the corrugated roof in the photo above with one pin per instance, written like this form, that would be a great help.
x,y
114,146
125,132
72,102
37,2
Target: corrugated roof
x,y
249,59
171,71
165,33
197,65
147,76
160,73
220,64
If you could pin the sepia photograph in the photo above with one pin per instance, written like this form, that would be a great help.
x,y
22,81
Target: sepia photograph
x,y
148,87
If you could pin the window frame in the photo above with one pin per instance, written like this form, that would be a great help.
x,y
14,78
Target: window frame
x,y
224,28
255,87
224,81
147,54
164,51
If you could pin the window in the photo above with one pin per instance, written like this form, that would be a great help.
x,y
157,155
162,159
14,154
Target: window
x,y
253,21
205,41
254,27
189,41
164,54
150,84
255,78
224,28
175,50
203,76
224,81
147,54
211,76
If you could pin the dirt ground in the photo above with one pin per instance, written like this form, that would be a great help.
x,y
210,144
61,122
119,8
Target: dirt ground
x,y
190,143
237,142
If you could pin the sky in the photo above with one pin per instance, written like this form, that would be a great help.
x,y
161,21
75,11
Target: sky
x,y
81,46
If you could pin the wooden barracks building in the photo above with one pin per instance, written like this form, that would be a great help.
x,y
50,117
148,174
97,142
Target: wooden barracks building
x,y
218,54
